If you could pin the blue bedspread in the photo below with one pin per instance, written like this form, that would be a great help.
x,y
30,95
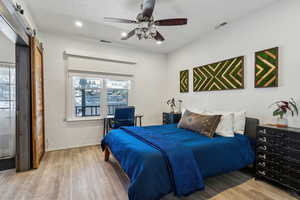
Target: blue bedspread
x,y
184,173
148,171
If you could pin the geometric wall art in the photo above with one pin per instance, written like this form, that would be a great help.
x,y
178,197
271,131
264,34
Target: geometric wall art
x,y
266,68
223,75
184,81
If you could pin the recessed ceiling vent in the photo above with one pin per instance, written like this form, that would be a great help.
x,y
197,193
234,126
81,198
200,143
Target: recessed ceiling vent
x,y
221,25
105,41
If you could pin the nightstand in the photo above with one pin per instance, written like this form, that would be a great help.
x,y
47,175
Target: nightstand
x,y
171,118
278,156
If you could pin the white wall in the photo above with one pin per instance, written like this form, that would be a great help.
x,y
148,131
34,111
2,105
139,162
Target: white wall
x,y
149,92
7,49
277,25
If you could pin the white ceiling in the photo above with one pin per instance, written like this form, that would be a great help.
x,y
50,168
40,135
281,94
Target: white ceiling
x,y
59,15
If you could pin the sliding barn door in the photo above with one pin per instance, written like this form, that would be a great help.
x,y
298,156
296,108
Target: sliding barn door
x,y
38,118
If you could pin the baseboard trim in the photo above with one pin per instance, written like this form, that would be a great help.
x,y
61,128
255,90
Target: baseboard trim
x,y
71,147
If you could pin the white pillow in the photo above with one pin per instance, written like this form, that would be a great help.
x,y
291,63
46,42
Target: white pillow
x,y
239,122
225,127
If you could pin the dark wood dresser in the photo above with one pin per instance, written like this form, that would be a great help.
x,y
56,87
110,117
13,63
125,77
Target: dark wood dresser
x,y
171,118
278,156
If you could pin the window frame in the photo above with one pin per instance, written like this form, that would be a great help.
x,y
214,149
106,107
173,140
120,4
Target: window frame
x,y
70,111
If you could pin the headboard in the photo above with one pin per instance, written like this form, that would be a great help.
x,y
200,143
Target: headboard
x,y
250,129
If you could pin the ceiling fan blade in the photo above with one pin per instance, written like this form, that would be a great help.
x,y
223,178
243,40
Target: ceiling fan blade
x,y
119,20
159,37
148,7
129,35
171,22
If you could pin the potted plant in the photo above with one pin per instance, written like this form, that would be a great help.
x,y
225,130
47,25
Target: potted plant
x,y
282,108
172,104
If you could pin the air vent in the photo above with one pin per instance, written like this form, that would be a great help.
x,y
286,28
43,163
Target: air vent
x,y
221,25
105,41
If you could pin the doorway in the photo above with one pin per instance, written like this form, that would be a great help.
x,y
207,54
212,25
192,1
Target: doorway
x,y
15,89
7,103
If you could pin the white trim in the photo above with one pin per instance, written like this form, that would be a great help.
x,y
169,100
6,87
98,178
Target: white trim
x,y
70,102
72,147
99,58
84,119
100,73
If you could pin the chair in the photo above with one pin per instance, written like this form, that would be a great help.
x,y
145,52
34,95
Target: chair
x,y
124,116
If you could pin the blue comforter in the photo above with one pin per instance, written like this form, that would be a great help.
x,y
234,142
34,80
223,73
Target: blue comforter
x,y
184,173
148,170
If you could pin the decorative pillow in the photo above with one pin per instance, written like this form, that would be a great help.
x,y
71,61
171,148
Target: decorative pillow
x,y
194,110
239,122
204,124
225,127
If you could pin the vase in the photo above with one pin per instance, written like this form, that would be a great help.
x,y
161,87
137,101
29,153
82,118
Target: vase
x,y
282,122
179,108
172,110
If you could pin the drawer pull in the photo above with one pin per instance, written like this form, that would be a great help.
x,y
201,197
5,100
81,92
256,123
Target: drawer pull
x,y
262,164
262,172
263,131
262,156
263,148
263,139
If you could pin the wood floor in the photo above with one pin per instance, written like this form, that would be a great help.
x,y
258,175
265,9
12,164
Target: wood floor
x,y
81,174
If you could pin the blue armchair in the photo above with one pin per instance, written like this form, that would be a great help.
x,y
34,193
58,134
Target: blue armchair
x,y
124,116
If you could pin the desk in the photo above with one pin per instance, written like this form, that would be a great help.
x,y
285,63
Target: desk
x,y
107,119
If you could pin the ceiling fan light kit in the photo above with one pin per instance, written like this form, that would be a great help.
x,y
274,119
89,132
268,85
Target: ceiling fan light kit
x,y
78,24
124,34
146,25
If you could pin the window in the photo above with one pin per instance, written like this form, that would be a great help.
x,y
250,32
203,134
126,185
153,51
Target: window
x,y
93,96
86,96
117,94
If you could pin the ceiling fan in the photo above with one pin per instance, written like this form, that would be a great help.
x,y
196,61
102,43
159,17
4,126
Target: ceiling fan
x,y
146,25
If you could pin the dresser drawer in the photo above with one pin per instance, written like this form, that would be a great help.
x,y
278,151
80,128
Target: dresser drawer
x,y
274,133
271,174
267,165
171,118
271,139
166,121
266,148
294,174
295,183
294,136
271,157
292,163
293,144
293,154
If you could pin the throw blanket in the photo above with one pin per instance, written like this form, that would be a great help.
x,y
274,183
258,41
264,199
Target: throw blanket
x,y
185,174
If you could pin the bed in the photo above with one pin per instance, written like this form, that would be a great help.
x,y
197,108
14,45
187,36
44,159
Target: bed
x,y
150,174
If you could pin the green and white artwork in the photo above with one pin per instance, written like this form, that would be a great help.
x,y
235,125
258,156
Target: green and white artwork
x,y
266,68
184,81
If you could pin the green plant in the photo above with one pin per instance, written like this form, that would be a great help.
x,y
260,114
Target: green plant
x,y
283,107
172,103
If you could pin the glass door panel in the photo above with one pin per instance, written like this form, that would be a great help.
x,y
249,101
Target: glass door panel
x,y
7,98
